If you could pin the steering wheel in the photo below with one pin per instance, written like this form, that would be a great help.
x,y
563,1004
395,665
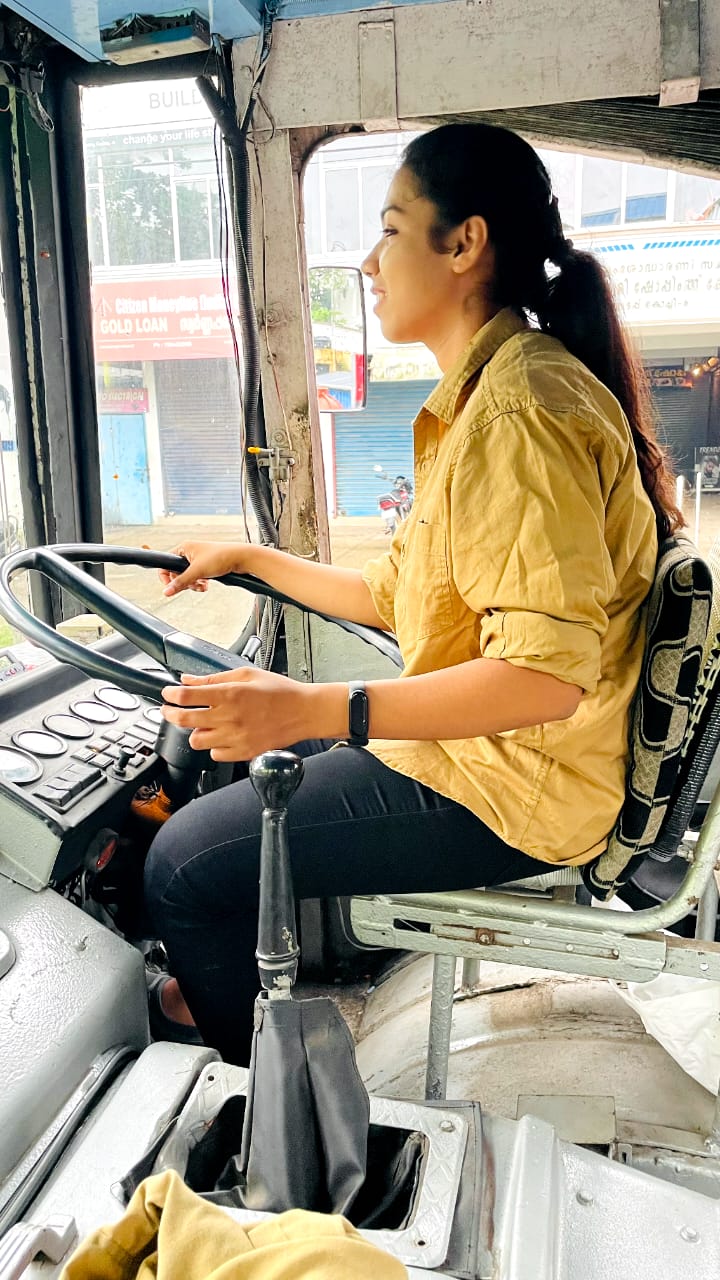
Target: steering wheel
x,y
175,651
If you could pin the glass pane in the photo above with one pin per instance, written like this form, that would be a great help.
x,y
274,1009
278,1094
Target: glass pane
x,y
562,167
95,214
11,516
197,161
600,192
342,210
311,195
696,199
375,180
168,402
215,241
646,197
138,208
667,281
193,214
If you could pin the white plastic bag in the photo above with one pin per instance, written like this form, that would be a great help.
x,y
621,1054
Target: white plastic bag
x,y
683,1015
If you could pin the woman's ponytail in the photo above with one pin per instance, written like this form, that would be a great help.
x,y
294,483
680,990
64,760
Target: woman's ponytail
x,y
580,311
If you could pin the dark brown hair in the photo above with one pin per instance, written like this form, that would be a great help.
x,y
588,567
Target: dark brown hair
x,y
480,169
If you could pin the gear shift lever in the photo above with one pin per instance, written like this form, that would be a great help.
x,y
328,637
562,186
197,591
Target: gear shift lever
x,y
276,776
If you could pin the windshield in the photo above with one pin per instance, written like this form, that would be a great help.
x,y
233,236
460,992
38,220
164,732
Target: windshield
x,y
11,517
164,301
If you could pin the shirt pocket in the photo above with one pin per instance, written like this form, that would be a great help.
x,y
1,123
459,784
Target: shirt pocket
x,y
425,606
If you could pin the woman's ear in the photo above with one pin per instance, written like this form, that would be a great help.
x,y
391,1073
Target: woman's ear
x,y
469,242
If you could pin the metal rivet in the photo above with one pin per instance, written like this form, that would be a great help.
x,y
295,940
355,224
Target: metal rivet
x,y
526,942
569,946
615,953
704,966
447,1126
585,1197
690,1234
484,937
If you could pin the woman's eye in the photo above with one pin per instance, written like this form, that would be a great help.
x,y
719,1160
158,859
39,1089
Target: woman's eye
x,y
389,231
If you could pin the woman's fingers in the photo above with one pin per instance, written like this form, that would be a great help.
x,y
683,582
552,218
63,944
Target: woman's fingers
x,y
237,714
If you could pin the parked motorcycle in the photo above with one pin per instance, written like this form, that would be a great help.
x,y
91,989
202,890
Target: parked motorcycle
x,y
396,503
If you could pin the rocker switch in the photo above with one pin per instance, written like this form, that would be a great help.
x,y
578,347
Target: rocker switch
x,y
119,768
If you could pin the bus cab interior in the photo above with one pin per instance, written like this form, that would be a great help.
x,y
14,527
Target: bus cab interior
x,y
544,1132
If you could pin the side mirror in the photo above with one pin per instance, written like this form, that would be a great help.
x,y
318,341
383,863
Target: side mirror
x,y
339,334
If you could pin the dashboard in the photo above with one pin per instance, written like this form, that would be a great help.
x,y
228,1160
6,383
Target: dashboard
x,y
73,751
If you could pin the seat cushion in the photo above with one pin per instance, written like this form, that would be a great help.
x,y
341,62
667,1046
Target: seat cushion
x,y
678,618
549,880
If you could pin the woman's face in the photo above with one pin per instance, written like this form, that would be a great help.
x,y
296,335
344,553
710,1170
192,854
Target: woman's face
x,y
413,283
424,295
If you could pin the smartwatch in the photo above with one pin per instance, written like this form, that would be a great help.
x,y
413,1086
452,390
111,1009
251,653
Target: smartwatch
x,y
358,714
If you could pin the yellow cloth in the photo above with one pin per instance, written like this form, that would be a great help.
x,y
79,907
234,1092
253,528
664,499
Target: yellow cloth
x,y
169,1233
531,539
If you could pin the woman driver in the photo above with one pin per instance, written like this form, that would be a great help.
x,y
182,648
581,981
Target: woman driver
x,y
515,590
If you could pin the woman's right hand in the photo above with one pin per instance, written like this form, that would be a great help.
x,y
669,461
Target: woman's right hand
x,y
205,560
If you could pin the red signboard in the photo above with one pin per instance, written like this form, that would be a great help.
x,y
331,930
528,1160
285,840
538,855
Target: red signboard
x,y
181,319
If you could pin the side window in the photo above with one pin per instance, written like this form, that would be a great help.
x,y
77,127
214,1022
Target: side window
x,y
657,232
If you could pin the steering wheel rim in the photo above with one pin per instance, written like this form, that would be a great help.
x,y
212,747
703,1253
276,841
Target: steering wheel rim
x,y
175,651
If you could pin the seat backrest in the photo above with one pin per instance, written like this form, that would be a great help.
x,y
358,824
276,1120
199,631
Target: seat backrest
x,y
678,618
702,738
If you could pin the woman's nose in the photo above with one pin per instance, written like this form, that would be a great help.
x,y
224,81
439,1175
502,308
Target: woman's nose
x,y
368,266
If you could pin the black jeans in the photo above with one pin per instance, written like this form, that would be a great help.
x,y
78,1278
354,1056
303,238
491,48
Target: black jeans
x,y
355,827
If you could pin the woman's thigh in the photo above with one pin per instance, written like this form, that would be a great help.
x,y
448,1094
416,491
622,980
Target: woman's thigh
x,y
355,827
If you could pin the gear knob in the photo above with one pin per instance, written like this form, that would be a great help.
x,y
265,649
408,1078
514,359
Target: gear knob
x,y
276,776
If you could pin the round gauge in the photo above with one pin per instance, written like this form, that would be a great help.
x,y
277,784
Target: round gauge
x,y
96,712
118,698
18,766
153,714
68,726
39,742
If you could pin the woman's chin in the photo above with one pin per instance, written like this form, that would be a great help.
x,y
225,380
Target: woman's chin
x,y
393,332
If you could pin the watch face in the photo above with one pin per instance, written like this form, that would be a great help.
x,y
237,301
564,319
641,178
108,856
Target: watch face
x,y
359,714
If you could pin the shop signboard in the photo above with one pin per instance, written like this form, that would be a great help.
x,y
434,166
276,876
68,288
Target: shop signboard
x,y
665,276
160,319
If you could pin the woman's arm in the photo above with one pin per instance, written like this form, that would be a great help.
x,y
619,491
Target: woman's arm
x,y
237,714
342,593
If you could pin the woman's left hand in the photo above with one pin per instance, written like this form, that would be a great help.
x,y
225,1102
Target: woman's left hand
x,y
235,715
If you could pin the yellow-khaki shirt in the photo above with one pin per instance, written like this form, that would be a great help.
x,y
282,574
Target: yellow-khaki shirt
x,y
531,539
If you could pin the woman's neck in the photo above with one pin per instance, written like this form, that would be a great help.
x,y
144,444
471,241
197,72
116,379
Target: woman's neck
x,y
451,340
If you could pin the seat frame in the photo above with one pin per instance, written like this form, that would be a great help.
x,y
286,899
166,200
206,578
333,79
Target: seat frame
x,y
543,932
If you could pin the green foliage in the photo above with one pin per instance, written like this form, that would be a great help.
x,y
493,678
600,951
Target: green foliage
x,y
328,286
139,213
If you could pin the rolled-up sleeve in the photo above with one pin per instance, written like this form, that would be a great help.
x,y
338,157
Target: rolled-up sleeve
x,y
380,576
528,551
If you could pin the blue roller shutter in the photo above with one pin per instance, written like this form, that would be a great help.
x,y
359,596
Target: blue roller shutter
x,y
381,435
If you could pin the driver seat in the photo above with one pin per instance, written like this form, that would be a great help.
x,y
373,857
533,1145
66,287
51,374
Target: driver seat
x,y
537,921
